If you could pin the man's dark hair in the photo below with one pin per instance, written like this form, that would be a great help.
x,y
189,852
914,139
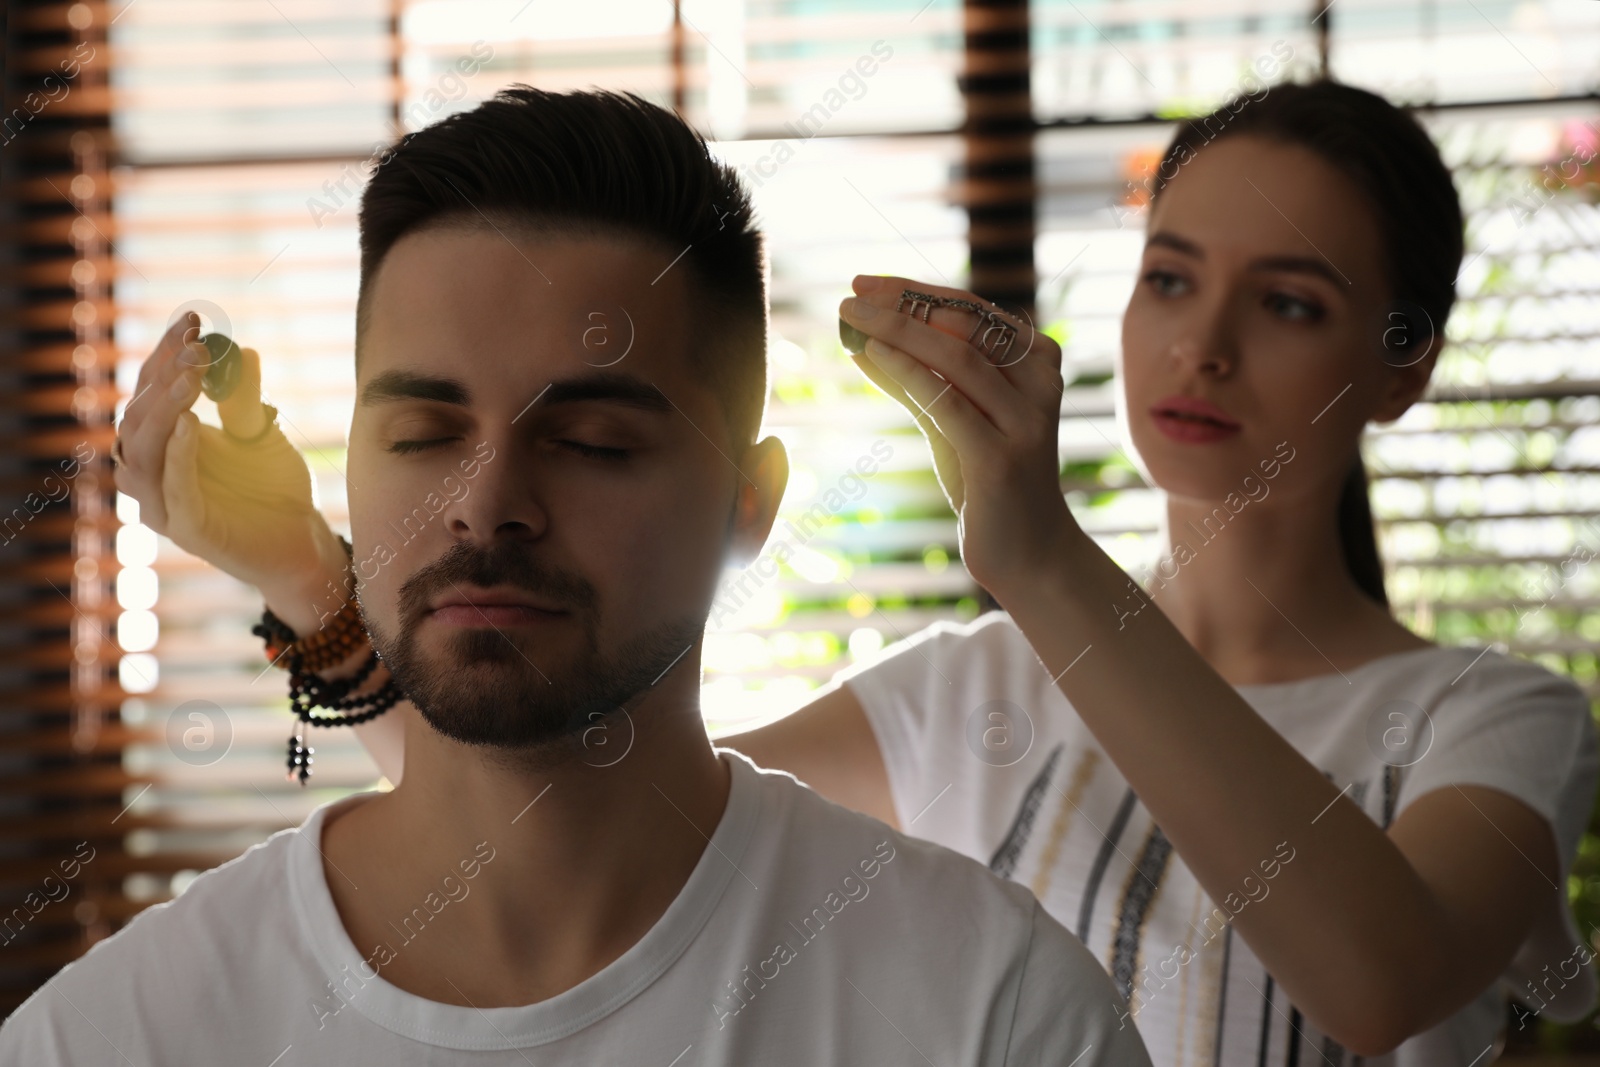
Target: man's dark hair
x,y
593,163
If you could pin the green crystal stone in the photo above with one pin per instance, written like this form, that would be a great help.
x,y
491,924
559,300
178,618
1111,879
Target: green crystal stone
x,y
222,373
853,339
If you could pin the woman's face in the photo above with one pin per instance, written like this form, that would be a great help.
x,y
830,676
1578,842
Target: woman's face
x,y
1262,293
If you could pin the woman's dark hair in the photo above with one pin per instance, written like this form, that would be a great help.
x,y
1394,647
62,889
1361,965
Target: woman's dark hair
x,y
591,163
1392,161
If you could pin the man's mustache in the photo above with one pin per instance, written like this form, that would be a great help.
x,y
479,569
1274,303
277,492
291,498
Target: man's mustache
x,y
506,565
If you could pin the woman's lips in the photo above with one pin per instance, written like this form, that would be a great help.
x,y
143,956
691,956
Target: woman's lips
x,y
1192,420
1190,430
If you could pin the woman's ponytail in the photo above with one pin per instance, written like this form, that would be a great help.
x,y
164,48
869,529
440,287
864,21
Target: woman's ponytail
x,y
1357,537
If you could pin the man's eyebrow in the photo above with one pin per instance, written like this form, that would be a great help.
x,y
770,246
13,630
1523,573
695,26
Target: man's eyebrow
x,y
1290,264
409,385
609,386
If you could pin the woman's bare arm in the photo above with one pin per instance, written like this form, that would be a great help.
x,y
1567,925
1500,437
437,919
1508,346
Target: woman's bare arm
x,y
829,745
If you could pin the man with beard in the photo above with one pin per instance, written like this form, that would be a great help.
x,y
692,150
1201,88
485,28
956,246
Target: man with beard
x,y
568,872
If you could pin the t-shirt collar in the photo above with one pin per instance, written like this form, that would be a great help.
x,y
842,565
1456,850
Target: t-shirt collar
x,y
355,983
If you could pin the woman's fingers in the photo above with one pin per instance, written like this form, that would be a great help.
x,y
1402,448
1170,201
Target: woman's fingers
x,y
158,368
242,413
955,417
1024,373
873,366
144,441
181,497
1029,347
946,465
947,355
880,377
1033,360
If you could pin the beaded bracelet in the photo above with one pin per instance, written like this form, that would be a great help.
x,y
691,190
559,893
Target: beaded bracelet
x,y
307,691
331,645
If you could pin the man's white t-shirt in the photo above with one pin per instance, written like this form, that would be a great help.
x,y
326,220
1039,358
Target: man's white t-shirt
x,y
806,934
986,755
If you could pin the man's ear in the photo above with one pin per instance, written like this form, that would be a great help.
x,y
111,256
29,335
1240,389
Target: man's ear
x,y
765,469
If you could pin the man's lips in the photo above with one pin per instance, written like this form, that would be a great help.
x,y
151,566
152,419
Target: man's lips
x,y
493,615
500,596
473,606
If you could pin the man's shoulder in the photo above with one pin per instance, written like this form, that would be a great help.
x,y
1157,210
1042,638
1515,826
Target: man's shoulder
x,y
936,912
174,949
929,879
247,884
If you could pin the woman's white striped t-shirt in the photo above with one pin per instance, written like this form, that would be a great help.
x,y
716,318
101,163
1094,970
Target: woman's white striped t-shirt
x,y
985,755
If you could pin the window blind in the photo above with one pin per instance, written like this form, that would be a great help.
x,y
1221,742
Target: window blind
x,y
61,851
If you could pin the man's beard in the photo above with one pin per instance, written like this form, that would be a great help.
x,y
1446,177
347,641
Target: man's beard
x,y
485,689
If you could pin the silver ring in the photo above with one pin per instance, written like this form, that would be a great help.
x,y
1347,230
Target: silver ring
x,y
927,300
998,336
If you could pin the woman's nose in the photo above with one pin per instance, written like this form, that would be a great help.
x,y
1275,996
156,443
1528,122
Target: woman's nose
x,y
1207,346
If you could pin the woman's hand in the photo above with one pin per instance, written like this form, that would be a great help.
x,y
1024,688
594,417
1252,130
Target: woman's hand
x,y
992,426
246,508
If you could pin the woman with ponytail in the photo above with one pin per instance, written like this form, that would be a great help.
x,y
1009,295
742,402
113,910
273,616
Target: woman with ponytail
x,y
1292,830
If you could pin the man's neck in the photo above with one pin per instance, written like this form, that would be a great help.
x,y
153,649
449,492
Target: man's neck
x,y
582,860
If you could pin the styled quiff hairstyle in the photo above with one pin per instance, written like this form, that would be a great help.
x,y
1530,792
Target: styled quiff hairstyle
x,y
590,164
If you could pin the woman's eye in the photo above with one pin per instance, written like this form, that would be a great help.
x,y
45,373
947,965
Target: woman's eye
x,y
1164,282
595,451
418,446
1292,307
